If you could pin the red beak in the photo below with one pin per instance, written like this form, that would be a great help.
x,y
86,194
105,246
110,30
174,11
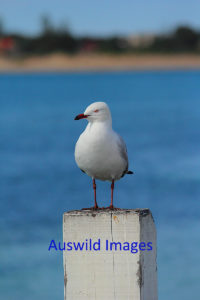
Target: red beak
x,y
81,116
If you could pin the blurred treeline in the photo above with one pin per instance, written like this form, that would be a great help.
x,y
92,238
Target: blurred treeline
x,y
60,39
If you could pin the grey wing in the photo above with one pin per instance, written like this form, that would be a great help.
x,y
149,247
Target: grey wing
x,y
123,152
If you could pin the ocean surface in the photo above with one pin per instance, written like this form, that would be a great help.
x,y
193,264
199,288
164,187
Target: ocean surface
x,y
158,115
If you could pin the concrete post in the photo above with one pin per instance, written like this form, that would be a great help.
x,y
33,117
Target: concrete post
x,y
118,259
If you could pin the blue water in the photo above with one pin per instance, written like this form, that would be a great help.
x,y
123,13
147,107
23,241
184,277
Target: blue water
x,y
157,113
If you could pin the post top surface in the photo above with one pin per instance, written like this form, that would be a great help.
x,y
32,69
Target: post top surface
x,y
92,212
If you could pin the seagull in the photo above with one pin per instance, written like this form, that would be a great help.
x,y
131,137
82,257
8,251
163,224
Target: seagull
x,y
100,152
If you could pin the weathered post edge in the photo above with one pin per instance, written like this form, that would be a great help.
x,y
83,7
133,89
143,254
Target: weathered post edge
x,y
98,272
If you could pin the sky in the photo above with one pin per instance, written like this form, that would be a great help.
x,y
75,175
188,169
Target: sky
x,y
101,17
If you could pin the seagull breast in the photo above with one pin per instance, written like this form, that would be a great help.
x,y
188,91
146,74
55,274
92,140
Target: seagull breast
x,y
101,153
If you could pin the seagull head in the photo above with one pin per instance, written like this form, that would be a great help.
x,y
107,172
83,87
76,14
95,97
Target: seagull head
x,y
96,112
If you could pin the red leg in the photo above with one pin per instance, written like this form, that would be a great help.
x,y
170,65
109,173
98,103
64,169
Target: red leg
x,y
112,189
95,196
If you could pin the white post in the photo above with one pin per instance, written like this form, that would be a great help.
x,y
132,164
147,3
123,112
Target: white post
x,y
118,259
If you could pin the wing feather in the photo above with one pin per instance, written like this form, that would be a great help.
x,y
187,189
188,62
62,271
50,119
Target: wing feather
x,y
123,152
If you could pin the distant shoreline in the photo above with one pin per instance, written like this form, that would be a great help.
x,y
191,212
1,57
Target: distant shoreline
x,y
99,62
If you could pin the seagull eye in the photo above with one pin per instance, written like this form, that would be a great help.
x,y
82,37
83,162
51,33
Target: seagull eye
x,y
96,110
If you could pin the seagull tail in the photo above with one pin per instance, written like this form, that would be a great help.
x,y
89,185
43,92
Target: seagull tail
x,y
130,172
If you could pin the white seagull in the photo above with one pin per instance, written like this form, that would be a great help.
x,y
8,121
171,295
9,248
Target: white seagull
x,y
100,152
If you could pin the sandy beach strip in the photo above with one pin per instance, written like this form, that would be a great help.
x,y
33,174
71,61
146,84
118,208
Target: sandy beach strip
x,y
99,62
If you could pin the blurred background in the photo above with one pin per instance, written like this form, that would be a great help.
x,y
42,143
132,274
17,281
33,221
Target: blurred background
x,y
155,108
